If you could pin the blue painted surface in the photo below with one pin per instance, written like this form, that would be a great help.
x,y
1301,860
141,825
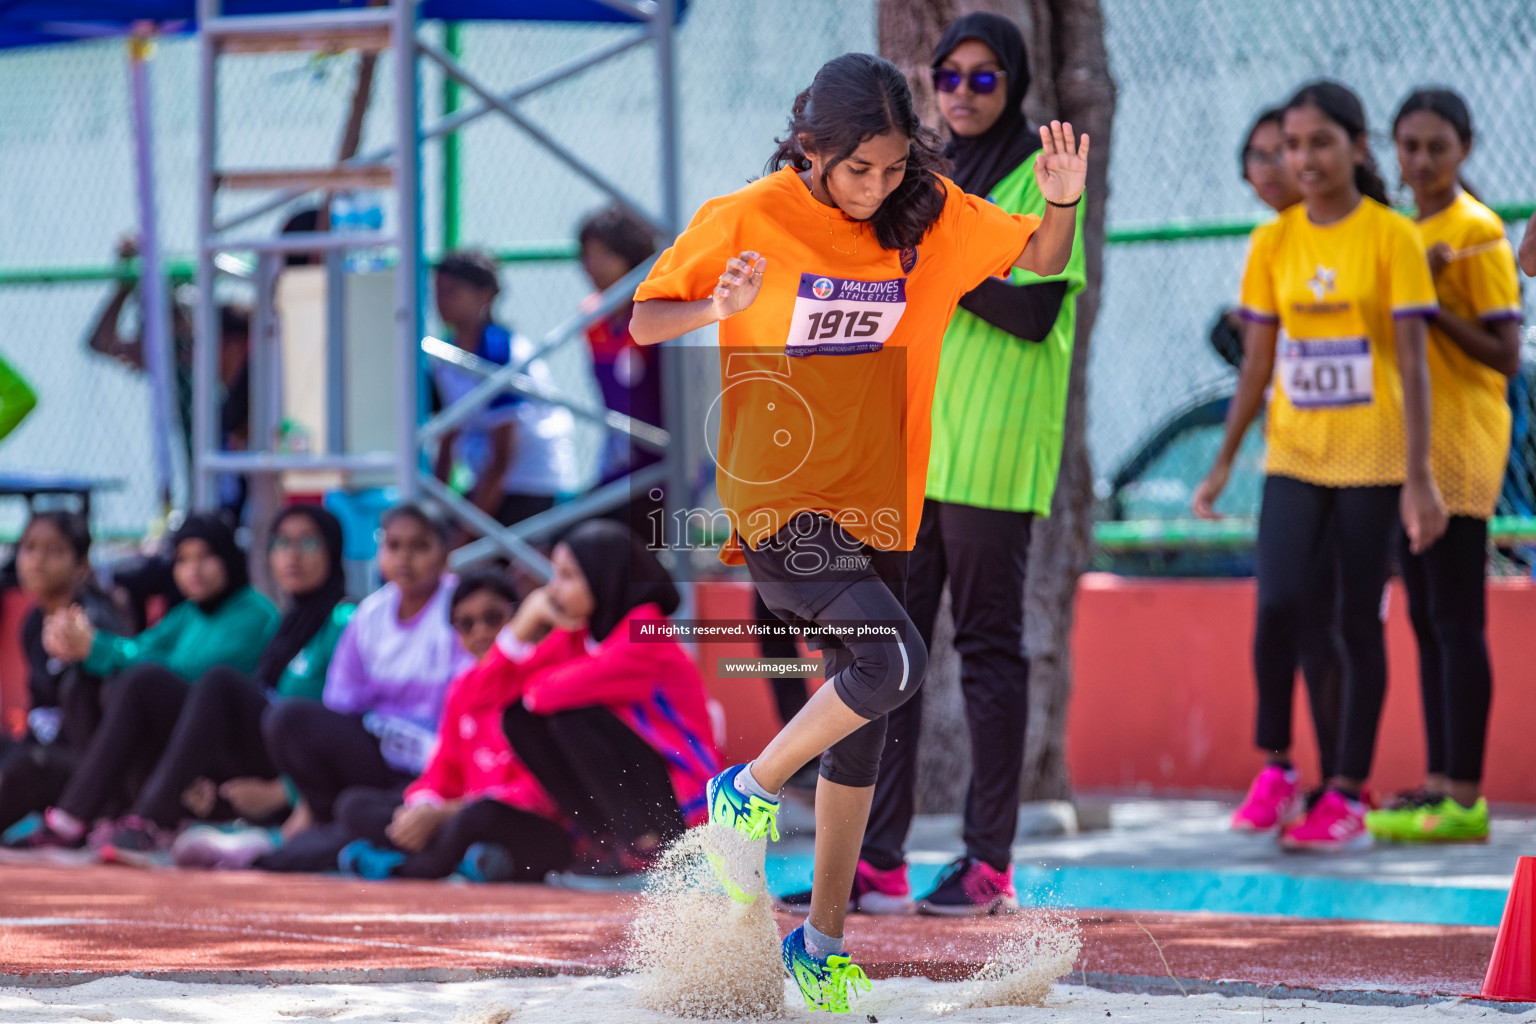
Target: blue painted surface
x,y
1221,892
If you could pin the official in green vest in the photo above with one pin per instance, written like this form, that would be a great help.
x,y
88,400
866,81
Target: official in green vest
x,y
998,414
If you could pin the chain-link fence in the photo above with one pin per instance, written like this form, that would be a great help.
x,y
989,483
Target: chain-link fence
x,y
1191,75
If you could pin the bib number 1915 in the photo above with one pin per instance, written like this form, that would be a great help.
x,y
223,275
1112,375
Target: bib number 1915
x,y
853,324
840,316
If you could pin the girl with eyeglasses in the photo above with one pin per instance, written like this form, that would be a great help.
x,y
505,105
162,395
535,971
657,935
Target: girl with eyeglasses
x,y
1474,348
378,714
216,765
223,621
1347,427
837,273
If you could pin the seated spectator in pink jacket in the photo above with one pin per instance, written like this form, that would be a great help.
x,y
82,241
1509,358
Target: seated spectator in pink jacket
x,y
616,728
476,809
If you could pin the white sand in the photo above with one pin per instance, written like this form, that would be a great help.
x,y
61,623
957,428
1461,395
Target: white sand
x,y
613,1000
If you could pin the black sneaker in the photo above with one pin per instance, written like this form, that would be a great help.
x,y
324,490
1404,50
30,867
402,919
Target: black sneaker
x,y
136,843
971,888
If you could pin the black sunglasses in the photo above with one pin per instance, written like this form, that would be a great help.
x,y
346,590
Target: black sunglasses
x,y
982,82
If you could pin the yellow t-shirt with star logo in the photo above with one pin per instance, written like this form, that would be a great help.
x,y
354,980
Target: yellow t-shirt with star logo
x,y
1469,428
1336,415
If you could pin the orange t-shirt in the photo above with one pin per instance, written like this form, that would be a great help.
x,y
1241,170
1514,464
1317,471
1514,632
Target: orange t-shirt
x,y
827,378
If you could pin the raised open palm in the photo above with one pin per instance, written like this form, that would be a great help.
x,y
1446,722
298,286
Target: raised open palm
x,y
1061,169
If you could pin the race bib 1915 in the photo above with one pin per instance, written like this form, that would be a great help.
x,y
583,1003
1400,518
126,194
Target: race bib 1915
x,y
839,316
1327,373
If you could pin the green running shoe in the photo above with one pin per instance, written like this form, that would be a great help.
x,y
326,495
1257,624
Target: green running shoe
x,y
751,817
1395,823
1444,821
826,984
1449,822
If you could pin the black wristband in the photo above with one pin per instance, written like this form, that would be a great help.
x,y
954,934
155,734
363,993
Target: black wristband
x,y
1065,206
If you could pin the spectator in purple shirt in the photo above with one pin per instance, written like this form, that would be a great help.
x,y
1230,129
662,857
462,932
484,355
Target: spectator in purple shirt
x,y
384,691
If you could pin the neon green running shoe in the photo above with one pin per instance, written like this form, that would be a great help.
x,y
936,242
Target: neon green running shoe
x,y
751,817
826,984
1449,822
1443,821
1395,822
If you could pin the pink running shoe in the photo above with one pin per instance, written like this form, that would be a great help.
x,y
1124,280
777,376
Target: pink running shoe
x,y
1335,825
971,888
1274,798
882,893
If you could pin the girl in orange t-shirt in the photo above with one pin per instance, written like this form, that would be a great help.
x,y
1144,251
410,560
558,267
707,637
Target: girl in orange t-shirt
x,y
833,278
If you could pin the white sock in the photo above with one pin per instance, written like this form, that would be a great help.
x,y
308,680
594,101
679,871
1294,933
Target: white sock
x,y
747,785
821,946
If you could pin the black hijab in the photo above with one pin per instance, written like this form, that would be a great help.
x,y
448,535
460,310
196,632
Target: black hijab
x,y
211,529
983,160
621,572
309,612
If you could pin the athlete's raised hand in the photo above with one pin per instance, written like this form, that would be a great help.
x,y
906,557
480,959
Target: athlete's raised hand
x,y
1061,169
739,284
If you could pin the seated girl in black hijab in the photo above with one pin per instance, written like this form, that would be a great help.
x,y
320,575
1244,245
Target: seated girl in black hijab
x,y
216,764
223,621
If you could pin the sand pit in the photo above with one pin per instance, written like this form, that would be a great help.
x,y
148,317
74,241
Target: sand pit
x,y
600,1000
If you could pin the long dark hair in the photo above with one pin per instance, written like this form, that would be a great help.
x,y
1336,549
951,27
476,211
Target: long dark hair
x,y
854,98
1446,104
69,525
1340,105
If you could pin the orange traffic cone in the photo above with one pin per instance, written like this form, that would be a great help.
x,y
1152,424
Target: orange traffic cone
x,y
1512,971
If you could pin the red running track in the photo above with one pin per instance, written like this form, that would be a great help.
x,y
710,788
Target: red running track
x,y
58,922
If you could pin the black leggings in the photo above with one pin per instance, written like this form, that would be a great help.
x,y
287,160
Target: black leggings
x,y
1447,602
814,572
325,752
1321,654
142,707
537,845
1294,526
984,554
33,775
218,737
789,692
32,778
601,773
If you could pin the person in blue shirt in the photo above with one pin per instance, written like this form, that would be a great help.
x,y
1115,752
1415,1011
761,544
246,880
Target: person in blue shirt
x,y
521,452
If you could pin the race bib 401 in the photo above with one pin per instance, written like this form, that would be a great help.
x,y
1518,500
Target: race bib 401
x,y
1327,373
839,316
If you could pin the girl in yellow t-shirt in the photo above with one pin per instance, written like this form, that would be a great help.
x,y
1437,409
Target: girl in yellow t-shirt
x,y
833,278
1276,795
1345,279
1474,348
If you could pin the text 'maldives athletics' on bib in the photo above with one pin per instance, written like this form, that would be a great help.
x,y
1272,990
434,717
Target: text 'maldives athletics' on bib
x,y
837,316
862,328
1336,414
